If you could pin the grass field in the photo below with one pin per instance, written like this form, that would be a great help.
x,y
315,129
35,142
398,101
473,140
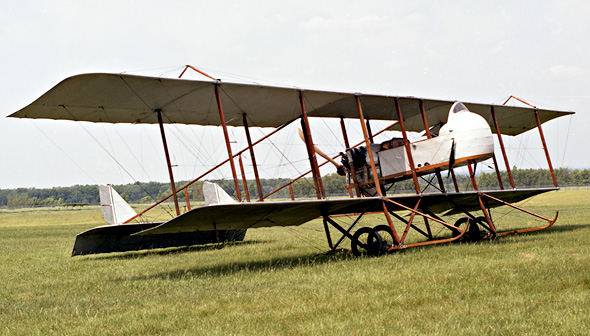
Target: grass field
x,y
277,283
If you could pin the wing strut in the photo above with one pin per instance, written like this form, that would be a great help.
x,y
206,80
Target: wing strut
x,y
407,145
159,112
502,148
374,169
195,69
483,208
429,136
227,143
315,169
253,157
368,145
347,146
545,147
498,175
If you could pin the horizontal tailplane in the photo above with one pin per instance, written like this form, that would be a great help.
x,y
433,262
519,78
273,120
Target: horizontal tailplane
x,y
121,238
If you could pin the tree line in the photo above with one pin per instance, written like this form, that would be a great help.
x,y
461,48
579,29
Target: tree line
x,y
148,192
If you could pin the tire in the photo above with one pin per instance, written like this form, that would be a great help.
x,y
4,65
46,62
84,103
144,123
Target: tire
x,y
366,241
458,224
386,235
474,233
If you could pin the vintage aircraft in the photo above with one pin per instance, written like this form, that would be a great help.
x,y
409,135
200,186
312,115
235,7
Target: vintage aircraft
x,y
456,134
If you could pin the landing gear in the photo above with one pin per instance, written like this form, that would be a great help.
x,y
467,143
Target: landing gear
x,y
386,235
366,241
474,233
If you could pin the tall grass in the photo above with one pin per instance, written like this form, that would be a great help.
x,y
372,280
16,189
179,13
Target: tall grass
x,y
276,282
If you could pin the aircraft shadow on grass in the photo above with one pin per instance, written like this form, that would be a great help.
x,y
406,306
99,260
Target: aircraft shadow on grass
x,y
261,266
552,230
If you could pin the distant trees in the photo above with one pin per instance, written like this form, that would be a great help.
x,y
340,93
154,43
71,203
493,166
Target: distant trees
x,y
147,192
49,197
18,199
536,177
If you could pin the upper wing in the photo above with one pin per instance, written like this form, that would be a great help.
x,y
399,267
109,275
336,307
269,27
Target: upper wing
x,y
121,98
292,213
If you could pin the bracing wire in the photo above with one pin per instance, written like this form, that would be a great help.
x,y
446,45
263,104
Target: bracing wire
x,y
567,136
112,157
166,70
132,152
110,145
243,78
63,152
296,232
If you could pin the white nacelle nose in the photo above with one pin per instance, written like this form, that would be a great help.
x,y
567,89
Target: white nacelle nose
x,y
461,119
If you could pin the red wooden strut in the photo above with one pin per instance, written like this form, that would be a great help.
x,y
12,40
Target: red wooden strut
x,y
429,136
424,215
195,69
497,171
188,202
412,215
161,123
482,207
254,165
400,118
368,145
317,179
244,181
227,143
424,119
499,134
504,233
374,169
545,147
369,132
347,146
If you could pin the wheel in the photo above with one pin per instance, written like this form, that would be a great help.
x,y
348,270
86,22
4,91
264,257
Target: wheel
x,y
458,224
366,241
474,233
386,235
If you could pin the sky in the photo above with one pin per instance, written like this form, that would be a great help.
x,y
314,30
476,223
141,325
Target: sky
x,y
482,51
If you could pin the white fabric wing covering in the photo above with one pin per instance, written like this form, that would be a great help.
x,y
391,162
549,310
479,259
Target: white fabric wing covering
x,y
121,98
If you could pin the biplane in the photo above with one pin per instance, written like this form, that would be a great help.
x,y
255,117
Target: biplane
x,y
455,134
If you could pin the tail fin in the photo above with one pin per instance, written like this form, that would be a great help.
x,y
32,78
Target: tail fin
x,y
215,195
114,208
